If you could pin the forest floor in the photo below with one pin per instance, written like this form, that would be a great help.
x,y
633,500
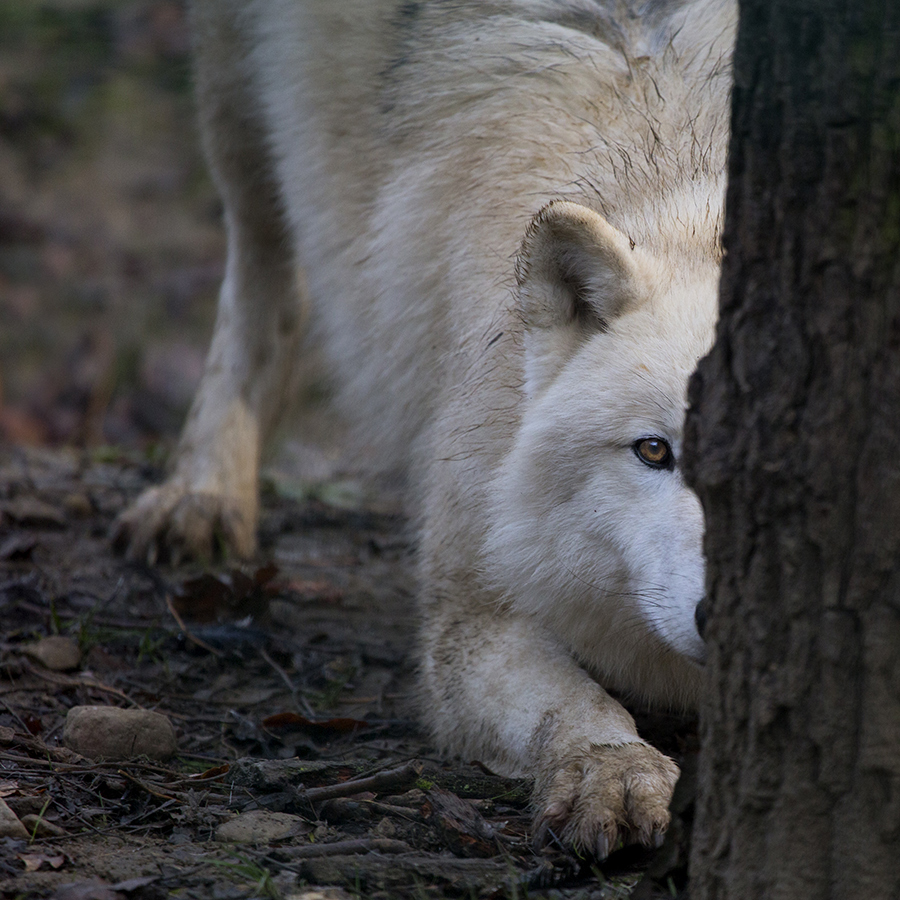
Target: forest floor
x,y
289,682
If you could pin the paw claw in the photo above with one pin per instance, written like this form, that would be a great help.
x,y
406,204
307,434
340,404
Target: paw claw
x,y
606,797
173,522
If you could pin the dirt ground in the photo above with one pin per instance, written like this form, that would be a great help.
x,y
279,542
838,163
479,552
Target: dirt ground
x,y
289,682
289,685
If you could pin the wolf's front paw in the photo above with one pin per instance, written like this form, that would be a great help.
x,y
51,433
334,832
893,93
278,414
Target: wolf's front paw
x,y
606,797
173,522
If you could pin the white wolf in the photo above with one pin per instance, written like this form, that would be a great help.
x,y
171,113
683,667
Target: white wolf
x,y
507,214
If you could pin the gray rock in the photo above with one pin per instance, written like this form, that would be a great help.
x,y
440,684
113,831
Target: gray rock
x,y
34,513
10,826
105,732
259,826
57,653
38,825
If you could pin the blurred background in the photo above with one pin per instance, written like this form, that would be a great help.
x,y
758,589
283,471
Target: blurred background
x,y
111,247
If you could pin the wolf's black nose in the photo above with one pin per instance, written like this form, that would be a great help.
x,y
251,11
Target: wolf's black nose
x,y
700,617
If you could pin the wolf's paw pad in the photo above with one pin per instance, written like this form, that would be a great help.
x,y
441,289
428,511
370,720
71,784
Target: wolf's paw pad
x,y
606,797
173,523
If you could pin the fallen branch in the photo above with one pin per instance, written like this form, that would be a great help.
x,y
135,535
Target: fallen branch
x,y
401,778
62,680
145,787
346,848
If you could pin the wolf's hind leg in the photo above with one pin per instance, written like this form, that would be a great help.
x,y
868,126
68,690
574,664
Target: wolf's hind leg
x,y
210,501
211,494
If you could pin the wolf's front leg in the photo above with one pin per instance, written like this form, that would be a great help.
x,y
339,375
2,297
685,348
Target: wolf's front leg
x,y
499,690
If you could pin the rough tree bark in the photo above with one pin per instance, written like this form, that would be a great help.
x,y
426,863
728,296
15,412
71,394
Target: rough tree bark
x,y
794,450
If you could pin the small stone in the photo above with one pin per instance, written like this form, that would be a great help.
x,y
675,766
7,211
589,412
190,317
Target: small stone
x,y
95,889
57,653
259,826
10,826
17,546
319,893
385,828
41,827
22,805
77,504
322,833
105,732
34,513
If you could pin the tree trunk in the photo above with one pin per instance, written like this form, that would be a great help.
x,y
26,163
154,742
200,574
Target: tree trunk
x,y
794,449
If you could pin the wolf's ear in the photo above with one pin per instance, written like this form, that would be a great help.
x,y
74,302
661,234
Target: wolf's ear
x,y
575,274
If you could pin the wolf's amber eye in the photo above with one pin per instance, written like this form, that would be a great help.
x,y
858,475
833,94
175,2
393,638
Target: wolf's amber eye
x,y
654,452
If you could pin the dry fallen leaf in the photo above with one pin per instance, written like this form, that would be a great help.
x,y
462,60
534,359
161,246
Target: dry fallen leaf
x,y
226,596
35,861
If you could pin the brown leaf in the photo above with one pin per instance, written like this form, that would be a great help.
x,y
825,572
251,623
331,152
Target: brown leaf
x,y
226,596
33,724
202,599
35,861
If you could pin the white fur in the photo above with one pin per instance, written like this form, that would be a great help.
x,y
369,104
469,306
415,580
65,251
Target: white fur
x,y
398,152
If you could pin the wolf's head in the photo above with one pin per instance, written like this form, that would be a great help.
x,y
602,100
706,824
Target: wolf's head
x,y
594,530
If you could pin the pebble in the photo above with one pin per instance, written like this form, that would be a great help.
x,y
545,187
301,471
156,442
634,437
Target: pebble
x,y
10,826
328,893
23,805
34,513
259,826
105,732
57,653
77,504
44,828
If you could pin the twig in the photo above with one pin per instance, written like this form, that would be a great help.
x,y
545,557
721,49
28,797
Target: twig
x,y
14,714
401,777
409,813
25,761
77,681
299,699
152,812
184,629
89,824
345,848
145,787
